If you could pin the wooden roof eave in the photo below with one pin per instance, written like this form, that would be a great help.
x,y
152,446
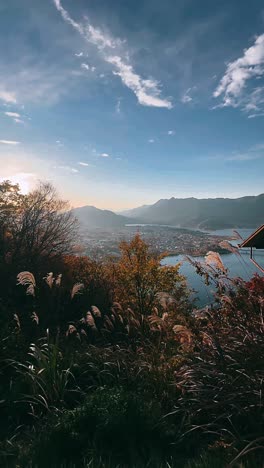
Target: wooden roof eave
x,y
254,240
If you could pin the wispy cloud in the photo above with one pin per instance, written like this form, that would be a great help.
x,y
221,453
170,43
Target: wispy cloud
x,y
151,140
79,55
253,153
186,98
15,116
238,73
118,106
258,147
8,97
253,116
85,66
83,164
88,67
105,155
9,142
147,91
35,79
67,169
171,132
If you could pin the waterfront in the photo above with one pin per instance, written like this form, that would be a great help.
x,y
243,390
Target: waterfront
x,y
237,265
100,243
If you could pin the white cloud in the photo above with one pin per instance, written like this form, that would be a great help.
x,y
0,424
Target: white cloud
x,y
83,164
79,55
15,117
151,140
9,142
12,114
7,97
147,91
85,66
67,18
253,116
88,67
187,97
67,168
237,75
171,132
105,155
118,106
100,39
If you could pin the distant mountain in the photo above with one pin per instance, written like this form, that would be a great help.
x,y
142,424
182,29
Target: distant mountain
x,y
135,212
211,213
91,217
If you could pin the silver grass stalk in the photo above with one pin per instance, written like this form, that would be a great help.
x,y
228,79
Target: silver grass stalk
x,y
35,318
58,280
90,320
25,278
16,318
96,312
77,289
49,279
213,258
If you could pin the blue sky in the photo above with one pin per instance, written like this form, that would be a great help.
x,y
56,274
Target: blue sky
x,y
120,103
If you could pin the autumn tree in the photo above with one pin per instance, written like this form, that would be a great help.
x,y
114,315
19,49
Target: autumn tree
x,y
140,279
10,207
46,227
36,231
94,275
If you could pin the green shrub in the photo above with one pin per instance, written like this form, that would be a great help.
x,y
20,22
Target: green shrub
x,y
112,423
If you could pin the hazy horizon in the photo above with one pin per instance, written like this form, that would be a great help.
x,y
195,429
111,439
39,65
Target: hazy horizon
x,y
149,204
120,104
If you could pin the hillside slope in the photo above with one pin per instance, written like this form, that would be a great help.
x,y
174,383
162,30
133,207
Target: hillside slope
x,y
91,217
214,213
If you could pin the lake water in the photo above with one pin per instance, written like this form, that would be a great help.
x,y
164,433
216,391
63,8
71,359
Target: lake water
x,y
237,266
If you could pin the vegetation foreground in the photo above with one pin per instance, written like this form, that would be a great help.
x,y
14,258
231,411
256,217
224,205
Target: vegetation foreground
x,y
110,364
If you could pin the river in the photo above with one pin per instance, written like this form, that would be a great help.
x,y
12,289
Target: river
x,y
236,265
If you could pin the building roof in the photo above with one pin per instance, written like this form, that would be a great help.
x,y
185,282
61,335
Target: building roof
x,y
255,240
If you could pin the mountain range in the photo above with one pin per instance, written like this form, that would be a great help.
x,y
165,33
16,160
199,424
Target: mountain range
x,y
90,217
210,213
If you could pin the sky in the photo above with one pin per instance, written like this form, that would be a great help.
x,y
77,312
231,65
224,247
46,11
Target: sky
x,y
120,103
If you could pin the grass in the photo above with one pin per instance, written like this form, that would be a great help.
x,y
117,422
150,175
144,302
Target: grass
x,y
163,390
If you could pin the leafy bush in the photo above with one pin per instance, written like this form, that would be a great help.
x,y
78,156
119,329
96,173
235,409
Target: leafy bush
x,y
112,423
223,380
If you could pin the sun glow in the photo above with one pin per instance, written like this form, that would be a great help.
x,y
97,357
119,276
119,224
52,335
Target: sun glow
x,y
26,181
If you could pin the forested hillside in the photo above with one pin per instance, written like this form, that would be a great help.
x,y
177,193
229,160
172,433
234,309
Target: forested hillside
x,y
215,213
